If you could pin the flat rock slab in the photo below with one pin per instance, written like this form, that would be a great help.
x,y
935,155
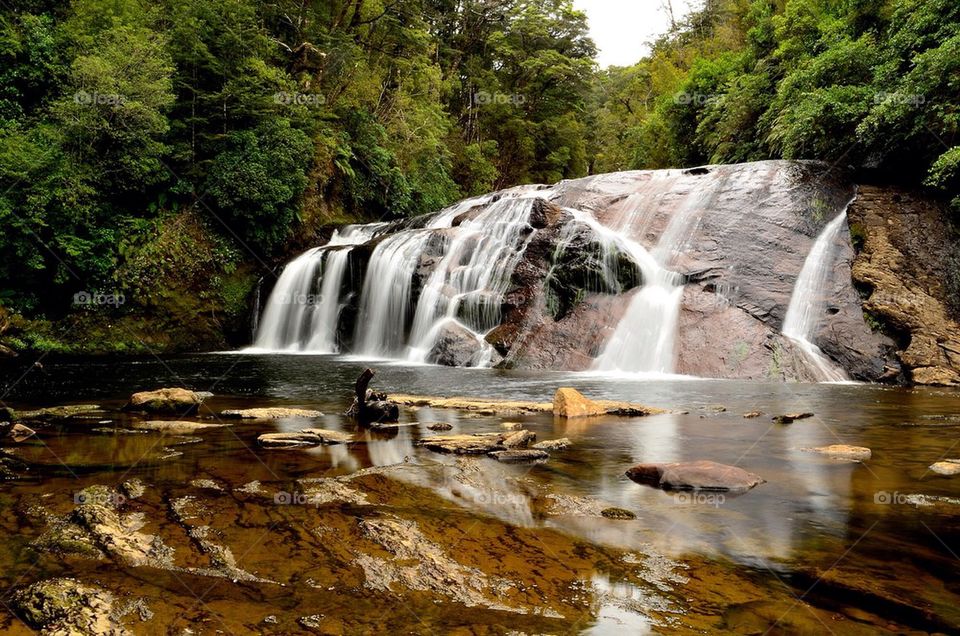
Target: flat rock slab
x,y
519,439
288,440
174,427
52,412
330,437
173,400
553,444
567,403
947,467
464,444
696,475
271,413
519,455
843,451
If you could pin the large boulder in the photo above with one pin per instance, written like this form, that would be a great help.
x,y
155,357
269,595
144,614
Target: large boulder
x,y
173,400
569,402
695,475
455,346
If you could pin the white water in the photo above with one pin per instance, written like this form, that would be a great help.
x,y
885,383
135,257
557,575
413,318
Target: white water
x,y
296,317
806,302
644,340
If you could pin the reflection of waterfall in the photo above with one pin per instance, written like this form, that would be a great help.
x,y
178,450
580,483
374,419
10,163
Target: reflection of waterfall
x,y
301,316
806,302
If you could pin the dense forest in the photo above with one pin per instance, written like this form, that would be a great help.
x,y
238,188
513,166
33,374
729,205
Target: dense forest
x,y
158,158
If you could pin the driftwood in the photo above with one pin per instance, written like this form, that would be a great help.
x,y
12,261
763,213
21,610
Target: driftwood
x,y
369,406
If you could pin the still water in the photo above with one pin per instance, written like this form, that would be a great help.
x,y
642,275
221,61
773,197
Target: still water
x,y
385,536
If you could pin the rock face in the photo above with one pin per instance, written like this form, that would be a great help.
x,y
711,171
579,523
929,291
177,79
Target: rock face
x,y
565,284
174,401
697,475
905,268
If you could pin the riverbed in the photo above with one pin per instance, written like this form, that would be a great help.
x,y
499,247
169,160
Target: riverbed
x,y
383,535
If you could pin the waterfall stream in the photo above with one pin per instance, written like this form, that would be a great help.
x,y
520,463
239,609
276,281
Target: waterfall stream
x,y
806,305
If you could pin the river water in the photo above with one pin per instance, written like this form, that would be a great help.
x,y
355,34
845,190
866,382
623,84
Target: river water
x,y
412,541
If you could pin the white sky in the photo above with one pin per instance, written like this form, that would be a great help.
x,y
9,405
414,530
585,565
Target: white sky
x,y
622,29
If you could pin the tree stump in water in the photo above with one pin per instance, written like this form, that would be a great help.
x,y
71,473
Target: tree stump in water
x,y
370,406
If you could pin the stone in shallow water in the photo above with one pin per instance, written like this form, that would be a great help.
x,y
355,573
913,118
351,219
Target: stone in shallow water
x,y
511,426
696,475
174,427
272,413
175,400
288,440
752,414
440,426
617,513
789,418
520,439
66,606
843,451
946,467
464,444
553,444
519,456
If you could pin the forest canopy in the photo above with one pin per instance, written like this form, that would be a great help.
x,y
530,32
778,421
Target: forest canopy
x,y
135,135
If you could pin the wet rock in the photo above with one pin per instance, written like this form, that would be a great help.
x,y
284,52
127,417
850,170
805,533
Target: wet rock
x,y
173,427
19,433
553,444
172,400
617,513
789,418
455,346
133,488
329,437
843,451
695,475
440,426
752,414
288,440
270,413
520,456
519,439
369,406
570,403
314,621
474,405
207,484
946,467
479,444
65,606
54,413
511,426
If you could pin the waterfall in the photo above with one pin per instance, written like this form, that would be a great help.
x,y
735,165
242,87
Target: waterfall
x,y
806,304
467,286
297,317
644,339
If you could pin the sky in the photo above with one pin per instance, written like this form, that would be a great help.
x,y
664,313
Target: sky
x,y
622,29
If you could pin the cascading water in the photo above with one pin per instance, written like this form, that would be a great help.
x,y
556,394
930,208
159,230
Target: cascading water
x,y
806,304
297,317
644,339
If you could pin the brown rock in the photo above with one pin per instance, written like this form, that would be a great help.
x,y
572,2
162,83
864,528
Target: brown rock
x,y
270,413
569,402
519,456
843,451
464,444
19,432
175,400
329,437
520,439
289,440
696,475
947,467
440,426
174,427
617,513
553,444
752,414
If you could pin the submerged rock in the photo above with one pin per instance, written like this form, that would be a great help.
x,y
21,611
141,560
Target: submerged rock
x,y
174,427
946,467
65,606
479,444
843,451
752,414
173,400
789,418
617,513
553,444
520,455
695,475
269,413
511,426
440,426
